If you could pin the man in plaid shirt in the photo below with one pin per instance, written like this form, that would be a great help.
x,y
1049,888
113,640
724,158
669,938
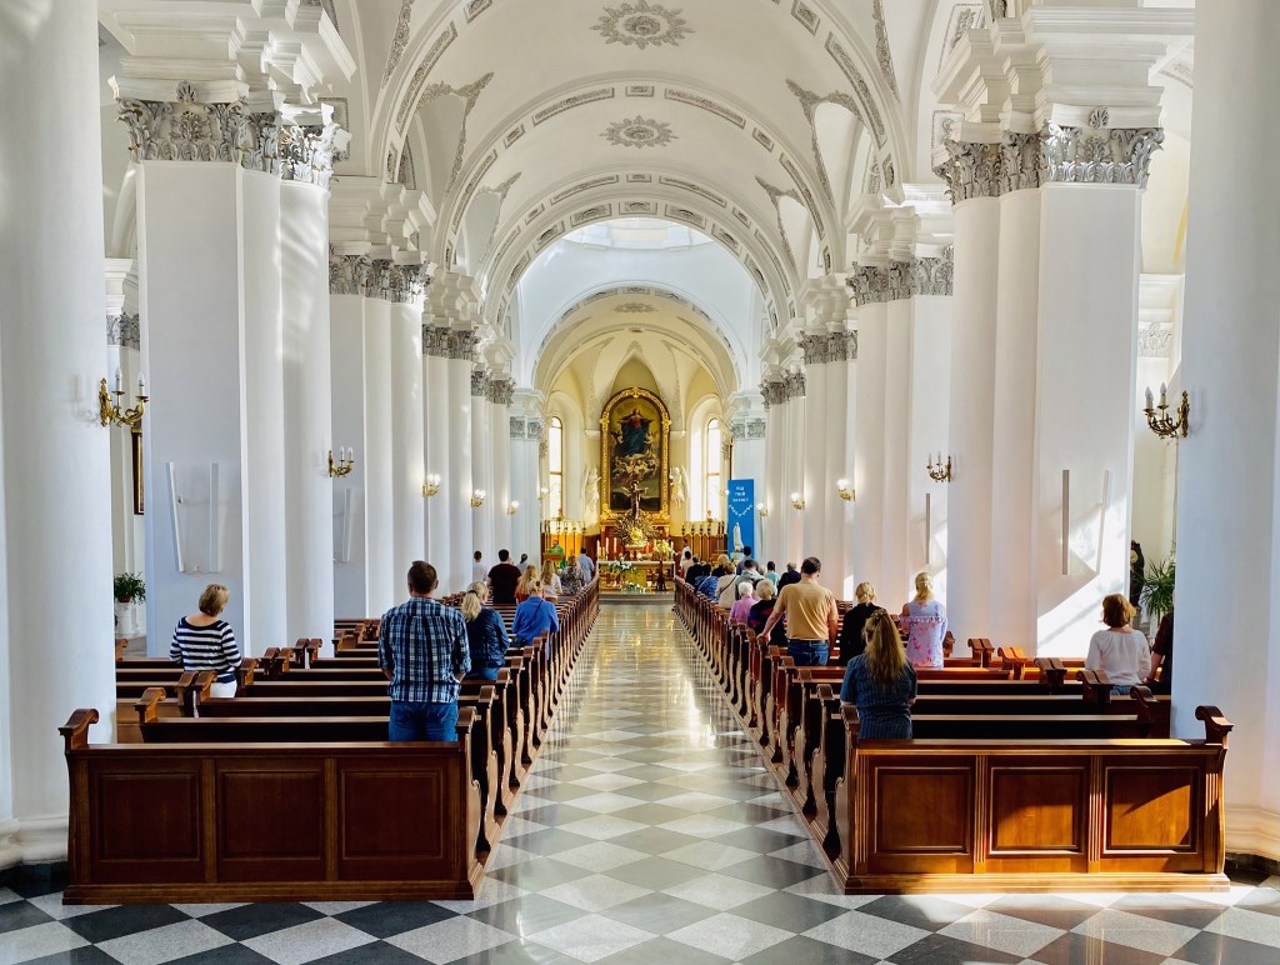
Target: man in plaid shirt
x,y
424,653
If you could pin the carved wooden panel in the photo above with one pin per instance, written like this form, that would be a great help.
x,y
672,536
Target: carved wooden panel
x,y
270,821
1152,808
1038,809
418,843
148,823
923,810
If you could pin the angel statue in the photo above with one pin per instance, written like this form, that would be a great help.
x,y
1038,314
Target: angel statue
x,y
591,490
679,489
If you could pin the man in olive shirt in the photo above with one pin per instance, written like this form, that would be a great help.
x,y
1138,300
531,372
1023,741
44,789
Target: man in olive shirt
x,y
811,617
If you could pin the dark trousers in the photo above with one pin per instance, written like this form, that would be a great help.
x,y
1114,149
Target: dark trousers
x,y
809,653
484,673
423,722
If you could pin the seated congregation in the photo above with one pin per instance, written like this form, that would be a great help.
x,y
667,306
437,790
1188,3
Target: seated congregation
x,y
919,769
384,771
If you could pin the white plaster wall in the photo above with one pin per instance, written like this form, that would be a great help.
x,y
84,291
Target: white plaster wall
x,y
353,575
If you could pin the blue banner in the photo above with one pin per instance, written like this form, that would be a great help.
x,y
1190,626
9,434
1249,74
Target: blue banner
x,y
741,519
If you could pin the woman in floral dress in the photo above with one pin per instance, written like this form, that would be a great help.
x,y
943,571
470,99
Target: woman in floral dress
x,y
925,621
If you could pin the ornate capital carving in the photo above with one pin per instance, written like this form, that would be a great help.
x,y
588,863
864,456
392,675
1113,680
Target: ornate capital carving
x,y
1083,155
461,345
815,348
774,391
435,341
935,276
480,383
502,391
399,284
795,385
971,169
869,284
1022,162
901,280
185,129
842,346
517,426
306,153
348,274
123,330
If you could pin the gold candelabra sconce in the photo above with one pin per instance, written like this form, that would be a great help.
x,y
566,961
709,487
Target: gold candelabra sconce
x,y
797,501
1158,415
762,510
513,507
845,489
343,465
477,498
939,471
432,485
110,409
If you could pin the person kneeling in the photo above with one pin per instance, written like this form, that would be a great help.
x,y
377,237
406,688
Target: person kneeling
x,y
423,651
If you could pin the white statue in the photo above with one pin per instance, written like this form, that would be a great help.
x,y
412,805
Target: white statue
x,y
737,538
679,490
591,490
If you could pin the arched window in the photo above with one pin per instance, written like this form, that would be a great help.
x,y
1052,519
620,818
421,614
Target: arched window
x,y
555,463
711,460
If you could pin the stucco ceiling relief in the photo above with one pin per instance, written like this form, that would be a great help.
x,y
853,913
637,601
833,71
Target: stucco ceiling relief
x,y
642,25
639,132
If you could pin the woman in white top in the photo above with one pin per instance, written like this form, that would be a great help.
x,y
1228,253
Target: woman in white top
x,y
551,588
1120,651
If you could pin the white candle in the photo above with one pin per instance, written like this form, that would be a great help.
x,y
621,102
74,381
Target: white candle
x,y
119,382
1163,394
142,384
1151,402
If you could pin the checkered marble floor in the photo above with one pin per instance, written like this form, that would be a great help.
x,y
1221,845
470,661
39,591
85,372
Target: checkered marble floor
x,y
650,832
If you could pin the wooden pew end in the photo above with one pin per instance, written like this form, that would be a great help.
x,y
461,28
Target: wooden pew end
x,y
1216,726
75,732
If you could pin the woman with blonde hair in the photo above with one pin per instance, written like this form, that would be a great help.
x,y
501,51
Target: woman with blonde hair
x,y
551,588
1120,651
204,641
486,633
851,642
881,683
925,621
527,579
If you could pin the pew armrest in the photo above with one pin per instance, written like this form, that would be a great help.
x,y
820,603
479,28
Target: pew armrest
x,y
1216,726
1097,686
1053,672
75,732
147,704
982,650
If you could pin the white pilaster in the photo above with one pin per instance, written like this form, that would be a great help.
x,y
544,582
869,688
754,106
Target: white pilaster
x,y
1228,651
408,443
482,523
55,645
869,429
439,422
459,364
349,380
386,575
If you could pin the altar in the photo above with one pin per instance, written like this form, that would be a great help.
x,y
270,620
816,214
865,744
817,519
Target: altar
x,y
636,576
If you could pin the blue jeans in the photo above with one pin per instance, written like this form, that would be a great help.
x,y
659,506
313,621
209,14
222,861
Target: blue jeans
x,y
485,673
809,653
423,722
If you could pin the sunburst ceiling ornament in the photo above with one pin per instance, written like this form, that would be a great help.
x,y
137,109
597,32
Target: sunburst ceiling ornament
x,y
639,132
642,25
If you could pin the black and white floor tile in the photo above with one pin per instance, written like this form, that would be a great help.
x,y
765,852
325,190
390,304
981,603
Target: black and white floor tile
x,y
651,833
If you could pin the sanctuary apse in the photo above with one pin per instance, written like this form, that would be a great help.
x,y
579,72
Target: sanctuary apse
x,y
410,279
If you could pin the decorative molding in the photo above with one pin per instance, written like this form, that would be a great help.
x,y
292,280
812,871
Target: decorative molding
x,y
756,428
123,330
406,174
639,132
399,39
1117,155
901,279
823,347
795,385
410,101
884,56
869,113
461,345
305,154
480,383
964,17
398,284
1022,162
706,104
186,129
572,101
935,276
516,426
348,274
814,348
435,341
642,25
774,392
1155,342
635,308
971,170
869,284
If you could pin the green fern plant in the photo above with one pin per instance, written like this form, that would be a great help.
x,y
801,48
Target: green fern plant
x,y
130,587
1157,594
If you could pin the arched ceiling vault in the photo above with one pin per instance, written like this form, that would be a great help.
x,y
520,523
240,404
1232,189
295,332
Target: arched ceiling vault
x,y
653,91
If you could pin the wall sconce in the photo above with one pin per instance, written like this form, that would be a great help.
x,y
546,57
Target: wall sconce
x,y
797,501
109,410
477,498
762,510
844,489
939,472
345,462
543,492
513,507
432,486
1161,424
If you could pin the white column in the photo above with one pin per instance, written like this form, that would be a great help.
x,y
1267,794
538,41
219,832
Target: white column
x,y
440,419
408,443
977,222
386,574
772,493
460,362
482,525
500,431
816,442
793,519
899,313
526,434
838,574
1014,579
1228,650
930,391
869,432
304,297
55,644
348,367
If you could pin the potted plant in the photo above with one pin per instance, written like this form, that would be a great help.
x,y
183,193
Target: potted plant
x,y
1157,593
130,589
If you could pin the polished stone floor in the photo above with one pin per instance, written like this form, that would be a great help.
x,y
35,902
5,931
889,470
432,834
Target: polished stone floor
x,y
650,832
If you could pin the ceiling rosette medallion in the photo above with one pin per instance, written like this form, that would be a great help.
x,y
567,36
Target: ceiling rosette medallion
x,y
639,132
642,25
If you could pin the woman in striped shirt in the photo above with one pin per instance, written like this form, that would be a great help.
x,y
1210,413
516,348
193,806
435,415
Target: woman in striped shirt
x,y
202,641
